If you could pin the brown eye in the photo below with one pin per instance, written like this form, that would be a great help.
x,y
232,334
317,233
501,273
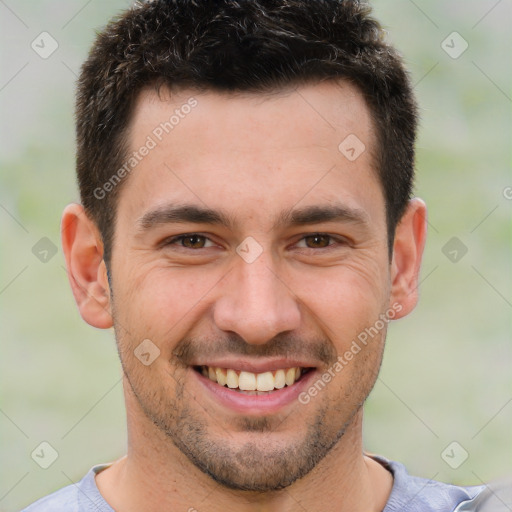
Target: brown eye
x,y
317,241
193,241
188,241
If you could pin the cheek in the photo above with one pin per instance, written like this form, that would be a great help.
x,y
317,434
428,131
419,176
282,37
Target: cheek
x,y
346,299
159,302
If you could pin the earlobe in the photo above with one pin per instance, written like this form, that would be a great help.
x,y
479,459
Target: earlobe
x,y
87,273
410,236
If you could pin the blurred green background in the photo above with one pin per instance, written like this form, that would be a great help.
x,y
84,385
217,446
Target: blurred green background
x,y
447,368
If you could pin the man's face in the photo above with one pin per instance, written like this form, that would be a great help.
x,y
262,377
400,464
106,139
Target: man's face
x,y
282,263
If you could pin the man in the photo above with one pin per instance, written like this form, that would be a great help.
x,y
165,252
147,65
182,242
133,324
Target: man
x,y
247,227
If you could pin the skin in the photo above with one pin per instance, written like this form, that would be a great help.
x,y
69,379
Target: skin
x,y
252,157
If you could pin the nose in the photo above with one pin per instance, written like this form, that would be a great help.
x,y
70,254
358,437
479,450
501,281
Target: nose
x,y
256,303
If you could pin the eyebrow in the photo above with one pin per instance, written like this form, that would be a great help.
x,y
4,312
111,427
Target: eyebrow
x,y
194,214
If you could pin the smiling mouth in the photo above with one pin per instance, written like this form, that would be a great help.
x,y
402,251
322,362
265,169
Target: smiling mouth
x,y
250,383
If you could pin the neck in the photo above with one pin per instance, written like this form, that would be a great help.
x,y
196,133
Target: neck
x,y
157,476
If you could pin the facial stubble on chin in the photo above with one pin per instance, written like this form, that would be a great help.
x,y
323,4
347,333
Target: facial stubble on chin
x,y
257,466
260,465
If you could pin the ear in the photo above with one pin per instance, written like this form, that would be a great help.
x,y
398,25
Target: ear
x,y
410,235
87,273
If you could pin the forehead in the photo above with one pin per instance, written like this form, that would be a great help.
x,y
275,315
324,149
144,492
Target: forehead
x,y
327,110
252,153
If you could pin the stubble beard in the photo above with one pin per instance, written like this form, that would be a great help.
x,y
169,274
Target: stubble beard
x,y
260,465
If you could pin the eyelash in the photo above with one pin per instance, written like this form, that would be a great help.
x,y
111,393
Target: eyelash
x,y
337,241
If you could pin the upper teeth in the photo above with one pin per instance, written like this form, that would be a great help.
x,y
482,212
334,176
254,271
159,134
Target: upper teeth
x,y
248,381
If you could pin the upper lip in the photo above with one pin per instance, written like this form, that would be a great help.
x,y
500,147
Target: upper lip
x,y
255,366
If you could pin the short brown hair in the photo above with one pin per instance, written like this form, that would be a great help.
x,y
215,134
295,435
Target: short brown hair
x,y
238,45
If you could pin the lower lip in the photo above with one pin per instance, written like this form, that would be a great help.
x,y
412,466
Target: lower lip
x,y
256,404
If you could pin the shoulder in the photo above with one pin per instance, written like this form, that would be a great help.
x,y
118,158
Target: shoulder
x,y
83,496
414,494
65,499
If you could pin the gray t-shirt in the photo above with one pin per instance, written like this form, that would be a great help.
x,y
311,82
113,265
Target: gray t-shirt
x,y
409,494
